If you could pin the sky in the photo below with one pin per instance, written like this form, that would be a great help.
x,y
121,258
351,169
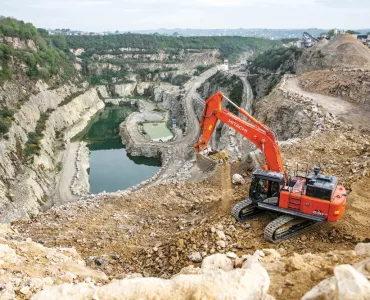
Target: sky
x,y
125,15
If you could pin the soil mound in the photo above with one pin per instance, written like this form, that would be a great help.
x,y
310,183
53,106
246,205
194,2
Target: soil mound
x,y
344,51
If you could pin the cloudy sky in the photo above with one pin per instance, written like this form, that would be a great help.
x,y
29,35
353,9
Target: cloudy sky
x,y
101,15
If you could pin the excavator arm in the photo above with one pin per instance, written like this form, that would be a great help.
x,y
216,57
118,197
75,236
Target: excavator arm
x,y
256,132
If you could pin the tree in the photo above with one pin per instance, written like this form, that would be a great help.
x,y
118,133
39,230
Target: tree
x,y
60,42
43,32
352,32
330,33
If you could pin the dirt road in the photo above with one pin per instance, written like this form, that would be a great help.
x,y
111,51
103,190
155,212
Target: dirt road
x,y
64,194
349,112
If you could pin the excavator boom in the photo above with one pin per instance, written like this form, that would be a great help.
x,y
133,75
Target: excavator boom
x,y
257,133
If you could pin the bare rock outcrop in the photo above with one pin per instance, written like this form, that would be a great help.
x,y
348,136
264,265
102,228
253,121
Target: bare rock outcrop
x,y
292,115
251,282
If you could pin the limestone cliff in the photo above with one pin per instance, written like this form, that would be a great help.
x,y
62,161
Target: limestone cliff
x,y
27,177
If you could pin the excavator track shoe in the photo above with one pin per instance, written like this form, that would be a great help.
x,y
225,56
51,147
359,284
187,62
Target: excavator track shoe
x,y
279,229
245,210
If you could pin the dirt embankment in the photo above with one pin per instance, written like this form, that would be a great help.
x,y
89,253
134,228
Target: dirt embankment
x,y
350,85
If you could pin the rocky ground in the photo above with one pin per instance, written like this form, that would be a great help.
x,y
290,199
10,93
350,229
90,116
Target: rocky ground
x,y
160,230
349,84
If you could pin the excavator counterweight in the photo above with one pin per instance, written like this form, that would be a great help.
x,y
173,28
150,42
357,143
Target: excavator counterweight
x,y
301,202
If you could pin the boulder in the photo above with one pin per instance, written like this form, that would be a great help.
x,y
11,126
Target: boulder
x,y
218,261
347,284
238,179
363,249
8,254
195,257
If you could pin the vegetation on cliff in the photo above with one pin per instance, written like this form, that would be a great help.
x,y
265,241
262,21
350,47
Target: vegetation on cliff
x,y
275,59
228,45
24,49
116,62
270,66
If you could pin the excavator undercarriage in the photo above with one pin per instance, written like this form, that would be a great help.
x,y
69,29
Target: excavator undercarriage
x,y
282,228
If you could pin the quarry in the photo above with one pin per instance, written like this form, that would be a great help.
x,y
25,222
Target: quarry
x,y
102,196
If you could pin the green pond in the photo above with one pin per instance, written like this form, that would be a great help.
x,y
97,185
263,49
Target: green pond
x,y
111,167
157,131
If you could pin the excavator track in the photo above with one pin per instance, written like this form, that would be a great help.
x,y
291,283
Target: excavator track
x,y
279,230
245,210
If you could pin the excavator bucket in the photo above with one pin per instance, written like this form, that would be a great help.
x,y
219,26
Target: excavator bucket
x,y
208,162
205,164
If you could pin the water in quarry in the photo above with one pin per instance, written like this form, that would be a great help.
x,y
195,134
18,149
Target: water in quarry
x,y
111,167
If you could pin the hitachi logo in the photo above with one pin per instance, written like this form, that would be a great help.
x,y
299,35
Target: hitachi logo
x,y
233,123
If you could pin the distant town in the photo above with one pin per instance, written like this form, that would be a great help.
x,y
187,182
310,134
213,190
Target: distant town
x,y
272,34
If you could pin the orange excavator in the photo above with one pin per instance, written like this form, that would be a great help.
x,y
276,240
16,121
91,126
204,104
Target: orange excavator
x,y
301,202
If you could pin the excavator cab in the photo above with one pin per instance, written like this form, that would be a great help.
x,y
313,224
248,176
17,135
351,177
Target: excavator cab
x,y
266,186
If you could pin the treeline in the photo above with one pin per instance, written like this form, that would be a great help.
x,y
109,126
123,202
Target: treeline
x,y
52,56
228,45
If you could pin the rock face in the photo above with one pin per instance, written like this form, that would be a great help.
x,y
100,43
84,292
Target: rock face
x,y
167,63
29,181
292,115
169,98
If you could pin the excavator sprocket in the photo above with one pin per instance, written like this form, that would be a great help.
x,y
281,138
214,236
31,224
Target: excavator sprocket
x,y
286,227
245,210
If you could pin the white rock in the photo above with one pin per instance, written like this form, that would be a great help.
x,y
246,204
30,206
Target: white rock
x,y
363,249
351,284
347,284
238,179
252,283
221,235
195,257
222,244
217,261
8,254
25,290
231,255
7,293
